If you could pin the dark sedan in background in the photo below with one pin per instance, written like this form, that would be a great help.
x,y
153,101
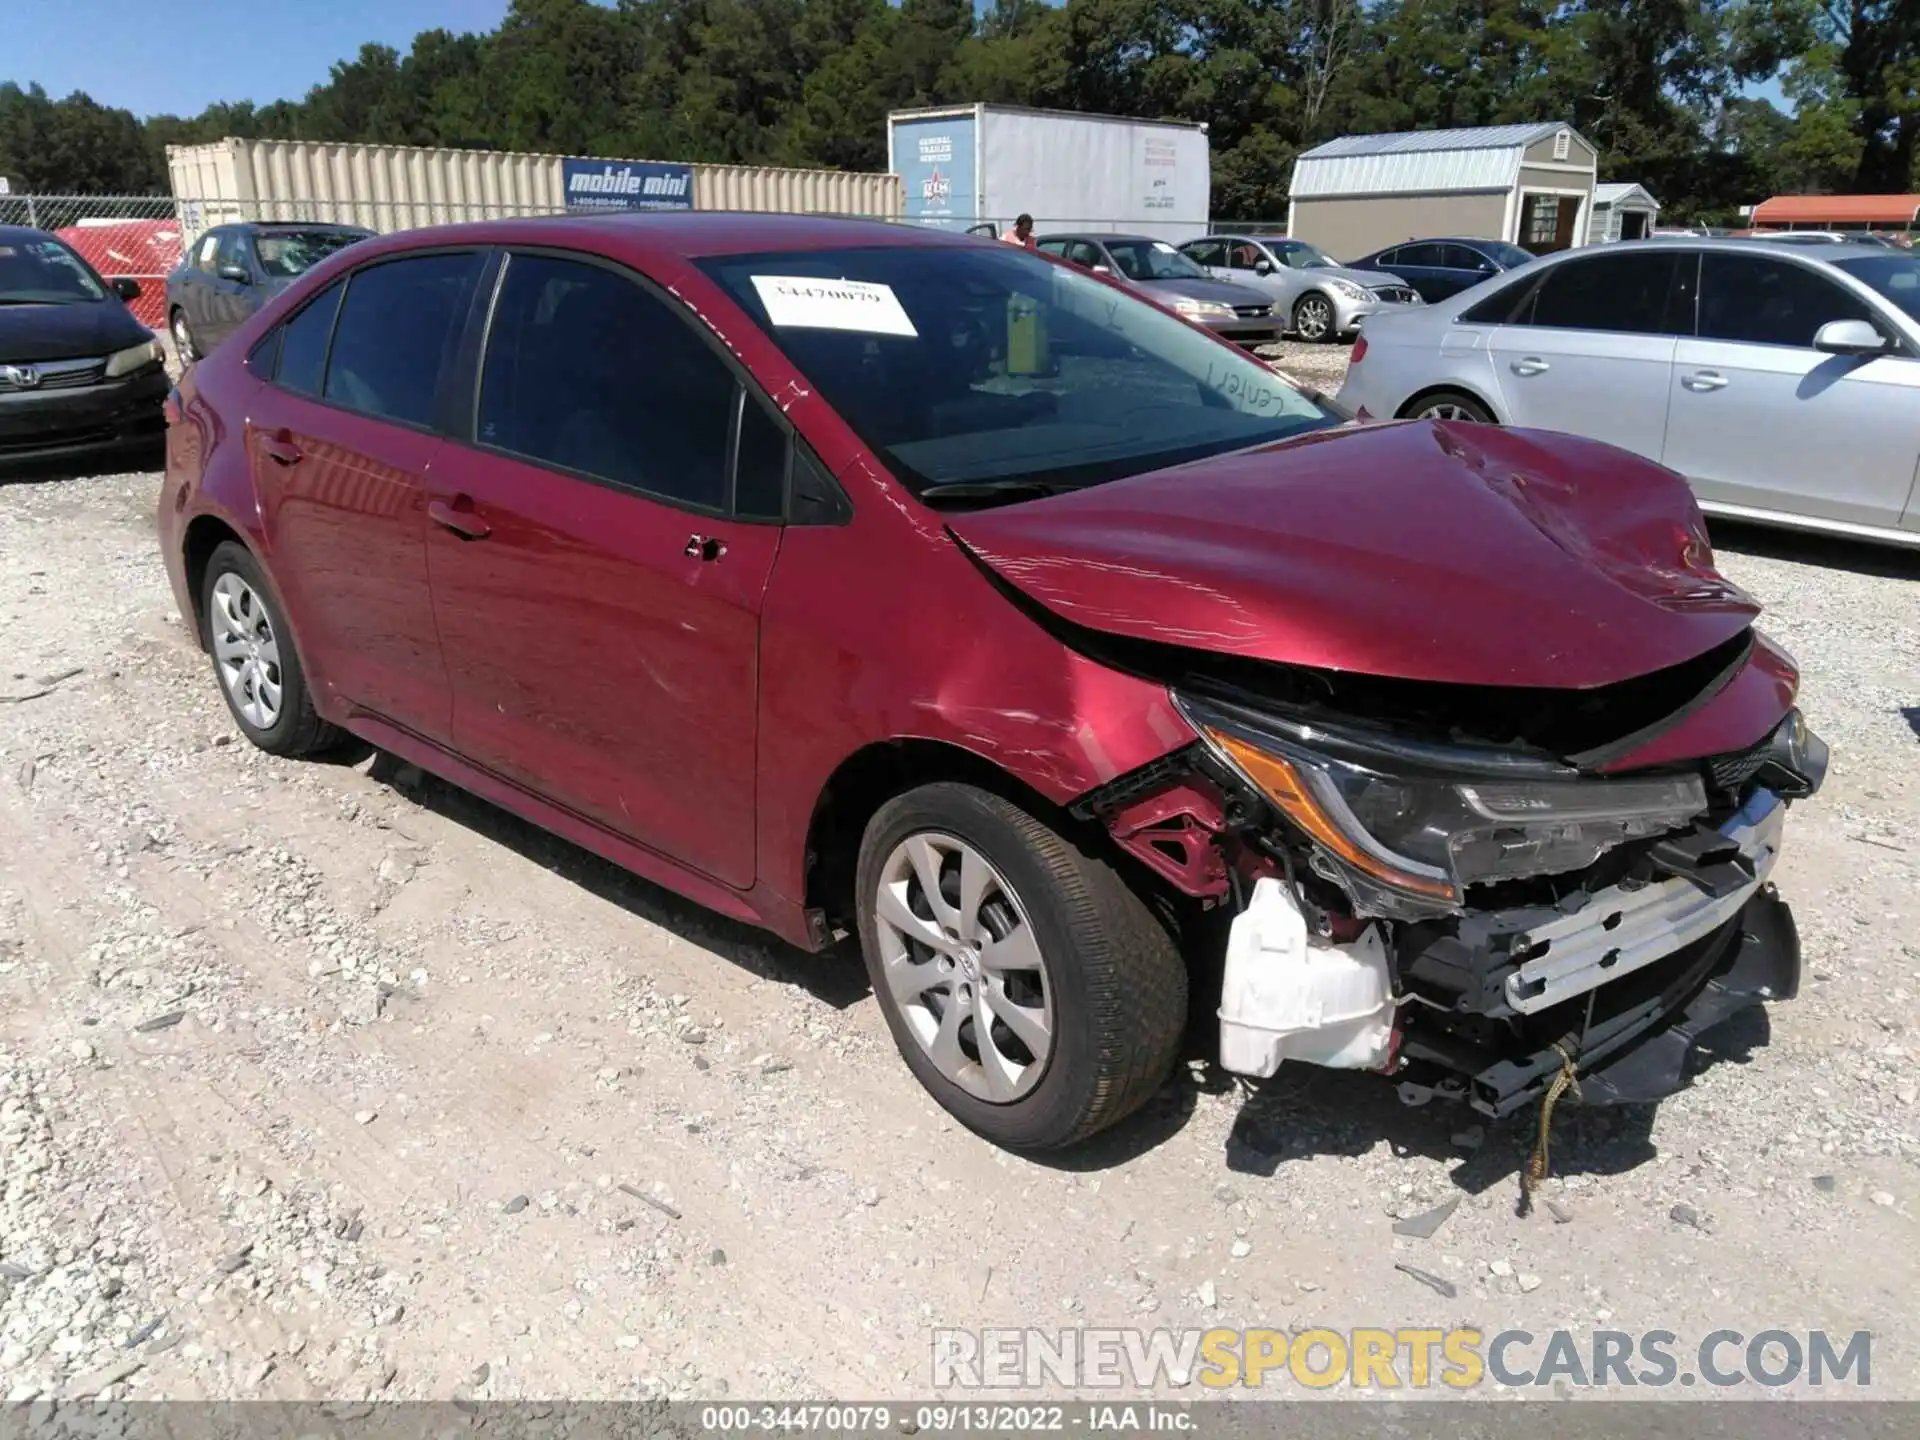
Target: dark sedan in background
x,y
232,270
78,374
1156,270
1440,269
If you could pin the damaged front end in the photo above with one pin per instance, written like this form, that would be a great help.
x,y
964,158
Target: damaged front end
x,y
1473,918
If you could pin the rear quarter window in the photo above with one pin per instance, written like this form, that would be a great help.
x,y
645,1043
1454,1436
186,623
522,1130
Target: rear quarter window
x,y
303,343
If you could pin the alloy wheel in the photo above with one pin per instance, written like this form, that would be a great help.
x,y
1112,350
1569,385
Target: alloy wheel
x,y
246,650
1446,410
964,967
1314,318
183,338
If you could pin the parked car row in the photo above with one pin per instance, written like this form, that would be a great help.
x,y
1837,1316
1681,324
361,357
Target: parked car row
x,y
80,377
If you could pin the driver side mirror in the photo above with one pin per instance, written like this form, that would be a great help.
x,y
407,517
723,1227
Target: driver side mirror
x,y
1850,337
125,288
236,273
1263,266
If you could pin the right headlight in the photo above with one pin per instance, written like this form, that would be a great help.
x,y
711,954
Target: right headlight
x,y
1424,822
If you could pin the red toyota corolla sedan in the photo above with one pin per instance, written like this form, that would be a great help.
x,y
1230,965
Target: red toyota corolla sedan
x,y
860,580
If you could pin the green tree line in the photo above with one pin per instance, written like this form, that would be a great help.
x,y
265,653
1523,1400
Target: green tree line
x,y
1661,86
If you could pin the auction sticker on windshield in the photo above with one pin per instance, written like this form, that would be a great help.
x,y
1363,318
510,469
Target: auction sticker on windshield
x,y
803,302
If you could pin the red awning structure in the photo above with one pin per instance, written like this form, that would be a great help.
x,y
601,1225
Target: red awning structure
x,y
1838,210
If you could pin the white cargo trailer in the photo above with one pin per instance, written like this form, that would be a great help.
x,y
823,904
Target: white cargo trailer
x,y
964,166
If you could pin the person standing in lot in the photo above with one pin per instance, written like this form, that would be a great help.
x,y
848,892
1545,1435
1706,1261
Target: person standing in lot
x,y
1021,234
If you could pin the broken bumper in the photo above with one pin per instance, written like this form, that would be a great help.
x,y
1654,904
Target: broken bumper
x,y
1642,1051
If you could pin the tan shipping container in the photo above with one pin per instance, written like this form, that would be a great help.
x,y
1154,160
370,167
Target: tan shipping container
x,y
398,187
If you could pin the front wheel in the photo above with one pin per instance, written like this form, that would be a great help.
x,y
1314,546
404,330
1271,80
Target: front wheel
x,y
1027,987
183,341
1313,319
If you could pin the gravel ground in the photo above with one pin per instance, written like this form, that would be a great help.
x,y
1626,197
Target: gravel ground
x,y
323,1079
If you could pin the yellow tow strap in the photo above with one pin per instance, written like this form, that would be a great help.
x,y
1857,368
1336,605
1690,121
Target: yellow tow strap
x,y
1567,1079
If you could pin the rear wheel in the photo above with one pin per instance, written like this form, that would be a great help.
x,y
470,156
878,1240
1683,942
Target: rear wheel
x,y
254,658
1449,405
1027,987
183,342
1313,318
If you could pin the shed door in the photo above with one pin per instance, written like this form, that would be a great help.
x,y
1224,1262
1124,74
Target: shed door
x,y
1547,221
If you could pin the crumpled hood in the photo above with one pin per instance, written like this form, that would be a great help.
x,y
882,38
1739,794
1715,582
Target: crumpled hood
x,y
1426,550
67,332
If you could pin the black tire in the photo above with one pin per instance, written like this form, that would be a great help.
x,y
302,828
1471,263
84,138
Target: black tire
x,y
1470,409
1304,316
1117,982
298,730
183,342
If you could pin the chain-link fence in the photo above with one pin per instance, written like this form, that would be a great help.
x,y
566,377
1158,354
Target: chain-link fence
x,y
136,236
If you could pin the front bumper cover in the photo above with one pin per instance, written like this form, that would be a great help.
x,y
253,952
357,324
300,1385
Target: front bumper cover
x,y
114,414
1641,1053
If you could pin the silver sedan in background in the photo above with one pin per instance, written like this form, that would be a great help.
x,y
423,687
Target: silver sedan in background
x,y
1317,297
1782,381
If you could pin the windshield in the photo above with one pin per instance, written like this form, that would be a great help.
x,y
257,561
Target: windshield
x,y
1152,260
45,272
1895,276
993,368
287,253
1301,256
1505,255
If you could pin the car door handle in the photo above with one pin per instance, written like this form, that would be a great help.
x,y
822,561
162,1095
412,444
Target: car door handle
x,y
457,516
1703,380
1531,365
280,449
704,547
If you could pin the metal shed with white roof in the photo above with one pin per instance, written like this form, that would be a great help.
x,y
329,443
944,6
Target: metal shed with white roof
x,y
1530,185
1622,212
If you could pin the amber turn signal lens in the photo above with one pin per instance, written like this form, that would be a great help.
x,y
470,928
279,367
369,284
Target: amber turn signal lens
x,y
1281,783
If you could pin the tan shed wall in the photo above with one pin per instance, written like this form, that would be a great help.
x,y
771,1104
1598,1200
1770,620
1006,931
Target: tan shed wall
x,y
1578,153
1347,228
1535,179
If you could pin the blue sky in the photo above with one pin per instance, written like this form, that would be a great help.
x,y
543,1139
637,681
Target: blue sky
x,y
180,56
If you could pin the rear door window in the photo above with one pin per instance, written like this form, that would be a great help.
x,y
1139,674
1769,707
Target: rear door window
x,y
588,371
1758,300
1081,253
1627,294
303,346
1207,252
397,327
